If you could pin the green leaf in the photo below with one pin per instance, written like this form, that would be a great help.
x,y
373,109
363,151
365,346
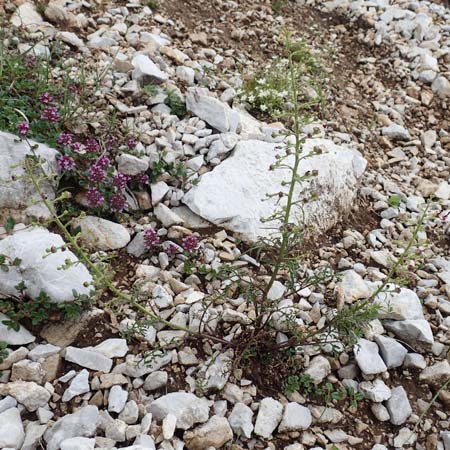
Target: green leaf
x,y
10,223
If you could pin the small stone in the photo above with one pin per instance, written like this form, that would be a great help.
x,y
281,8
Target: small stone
x,y
392,352
78,443
89,358
168,426
295,418
82,423
33,434
188,408
319,368
117,399
112,348
395,131
437,373
11,429
351,288
130,413
377,391
269,416
380,412
240,420
415,360
27,393
131,165
367,357
79,385
156,380
13,337
398,406
101,234
411,331
146,71
166,216
214,433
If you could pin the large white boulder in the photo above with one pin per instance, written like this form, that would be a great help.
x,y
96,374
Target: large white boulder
x,y
40,269
18,196
231,195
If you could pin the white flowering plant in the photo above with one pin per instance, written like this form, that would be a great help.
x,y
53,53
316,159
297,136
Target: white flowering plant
x,y
268,91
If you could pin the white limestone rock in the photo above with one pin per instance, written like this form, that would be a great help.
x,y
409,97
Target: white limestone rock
x,y
295,418
41,271
399,304
368,358
146,71
186,407
214,112
101,234
12,337
240,420
12,433
213,434
398,406
82,423
79,385
27,393
18,196
269,416
231,195
89,358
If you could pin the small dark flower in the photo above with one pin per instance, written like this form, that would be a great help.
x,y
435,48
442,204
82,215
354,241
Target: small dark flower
x,y
190,243
94,197
46,98
31,61
131,143
66,163
117,203
72,88
120,181
103,162
96,174
172,250
92,146
65,138
23,128
76,147
51,114
151,238
142,178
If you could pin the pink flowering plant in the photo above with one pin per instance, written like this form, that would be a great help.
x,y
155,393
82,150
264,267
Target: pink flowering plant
x,y
88,165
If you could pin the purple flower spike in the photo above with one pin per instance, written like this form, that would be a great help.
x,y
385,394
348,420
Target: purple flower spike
x,y
23,128
66,163
151,238
65,138
120,181
190,243
46,98
117,202
96,174
51,114
94,197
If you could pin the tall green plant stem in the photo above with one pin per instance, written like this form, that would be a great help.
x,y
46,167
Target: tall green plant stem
x,y
281,255
99,276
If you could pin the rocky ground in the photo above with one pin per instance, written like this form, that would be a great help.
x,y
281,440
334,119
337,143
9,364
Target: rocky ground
x,y
94,381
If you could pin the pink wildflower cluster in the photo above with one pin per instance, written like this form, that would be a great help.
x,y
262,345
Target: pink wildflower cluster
x,y
23,128
51,114
151,238
190,243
